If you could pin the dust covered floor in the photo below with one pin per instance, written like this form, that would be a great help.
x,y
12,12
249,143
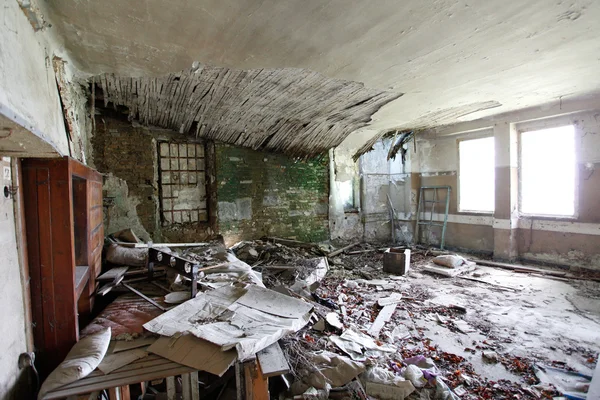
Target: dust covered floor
x,y
484,338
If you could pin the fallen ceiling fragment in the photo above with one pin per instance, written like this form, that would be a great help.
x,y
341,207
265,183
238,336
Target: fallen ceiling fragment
x,y
289,110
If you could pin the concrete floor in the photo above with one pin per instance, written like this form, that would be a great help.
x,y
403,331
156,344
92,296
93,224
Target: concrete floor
x,y
544,320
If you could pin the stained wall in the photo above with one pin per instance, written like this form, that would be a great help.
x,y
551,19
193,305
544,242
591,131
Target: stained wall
x,y
507,233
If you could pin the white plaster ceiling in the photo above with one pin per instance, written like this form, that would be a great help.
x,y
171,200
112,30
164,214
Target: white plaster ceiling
x,y
450,58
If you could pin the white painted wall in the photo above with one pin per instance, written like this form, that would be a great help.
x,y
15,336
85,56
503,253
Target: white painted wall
x,y
29,97
437,152
12,312
28,91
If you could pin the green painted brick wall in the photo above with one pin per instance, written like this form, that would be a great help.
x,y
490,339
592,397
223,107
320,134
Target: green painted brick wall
x,y
264,194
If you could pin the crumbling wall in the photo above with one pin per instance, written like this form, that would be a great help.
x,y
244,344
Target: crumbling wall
x,y
343,224
378,178
383,181
127,156
264,194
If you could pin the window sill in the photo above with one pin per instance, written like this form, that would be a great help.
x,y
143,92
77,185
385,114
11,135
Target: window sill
x,y
476,213
564,218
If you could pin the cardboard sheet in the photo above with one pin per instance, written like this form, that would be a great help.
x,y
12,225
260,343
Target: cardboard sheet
x,y
122,345
193,352
115,361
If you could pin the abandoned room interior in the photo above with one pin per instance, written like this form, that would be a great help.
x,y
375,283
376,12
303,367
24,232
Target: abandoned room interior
x,y
300,199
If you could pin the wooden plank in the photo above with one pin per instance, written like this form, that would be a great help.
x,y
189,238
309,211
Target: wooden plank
x,y
119,381
171,388
384,316
340,251
256,384
195,388
112,362
291,242
272,361
82,276
113,273
113,394
95,216
125,395
80,221
123,374
186,387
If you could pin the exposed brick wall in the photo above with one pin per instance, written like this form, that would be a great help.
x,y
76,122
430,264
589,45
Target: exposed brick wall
x,y
271,194
129,154
258,193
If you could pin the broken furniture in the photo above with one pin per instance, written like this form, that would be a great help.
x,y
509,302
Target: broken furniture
x,y
182,266
396,260
426,205
146,369
63,217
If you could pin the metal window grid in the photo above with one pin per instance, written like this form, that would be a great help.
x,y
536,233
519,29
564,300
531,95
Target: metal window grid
x,y
182,167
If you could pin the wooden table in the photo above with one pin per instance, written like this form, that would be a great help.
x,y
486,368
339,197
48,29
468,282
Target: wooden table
x,y
146,369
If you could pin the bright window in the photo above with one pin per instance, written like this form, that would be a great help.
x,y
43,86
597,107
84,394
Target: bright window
x,y
476,175
548,171
349,194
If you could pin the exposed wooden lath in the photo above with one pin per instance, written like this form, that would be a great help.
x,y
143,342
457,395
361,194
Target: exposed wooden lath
x,y
431,120
294,111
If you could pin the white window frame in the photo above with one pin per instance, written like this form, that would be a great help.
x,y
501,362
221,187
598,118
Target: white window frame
x,y
539,126
482,135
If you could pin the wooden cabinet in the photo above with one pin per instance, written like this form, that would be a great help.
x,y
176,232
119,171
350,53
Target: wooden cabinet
x,y
63,217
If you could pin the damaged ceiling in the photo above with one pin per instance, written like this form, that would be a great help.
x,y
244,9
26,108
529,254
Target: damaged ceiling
x,y
451,59
293,111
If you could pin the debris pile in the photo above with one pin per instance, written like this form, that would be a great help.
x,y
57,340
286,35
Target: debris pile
x,y
320,323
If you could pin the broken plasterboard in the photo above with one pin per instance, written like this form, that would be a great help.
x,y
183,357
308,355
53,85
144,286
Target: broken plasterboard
x,y
193,352
245,318
272,361
384,316
332,369
389,392
394,298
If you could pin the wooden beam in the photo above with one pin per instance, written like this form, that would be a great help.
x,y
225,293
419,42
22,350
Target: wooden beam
x,y
257,385
340,251
171,388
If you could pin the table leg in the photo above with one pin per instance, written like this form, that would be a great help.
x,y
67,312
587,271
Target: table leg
x,y
186,387
257,386
195,388
119,393
171,389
